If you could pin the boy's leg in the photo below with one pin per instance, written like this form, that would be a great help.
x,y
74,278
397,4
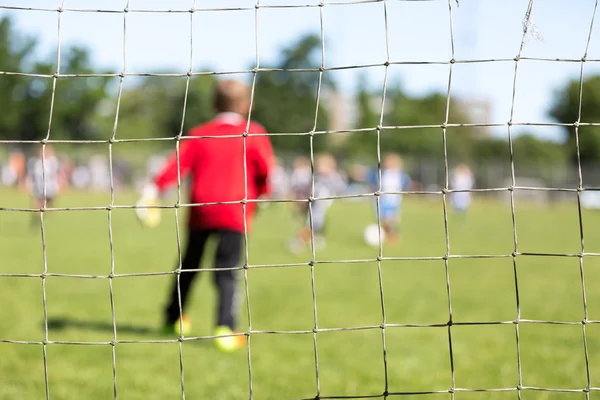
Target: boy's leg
x,y
319,217
305,235
389,222
228,255
191,260
39,203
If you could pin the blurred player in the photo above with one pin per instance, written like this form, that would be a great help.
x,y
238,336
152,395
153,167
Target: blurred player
x,y
461,179
15,171
393,179
328,182
280,181
44,178
216,169
301,185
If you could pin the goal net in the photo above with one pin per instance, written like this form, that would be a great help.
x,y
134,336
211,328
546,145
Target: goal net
x,y
438,284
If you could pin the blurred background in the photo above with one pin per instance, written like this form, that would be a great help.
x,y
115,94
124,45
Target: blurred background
x,y
231,36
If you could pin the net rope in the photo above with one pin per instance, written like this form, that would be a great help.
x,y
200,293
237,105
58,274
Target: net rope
x,y
528,29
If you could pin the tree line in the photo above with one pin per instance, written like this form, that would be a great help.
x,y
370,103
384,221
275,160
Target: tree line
x,y
284,102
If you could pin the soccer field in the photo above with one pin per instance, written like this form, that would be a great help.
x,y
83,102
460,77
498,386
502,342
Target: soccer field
x,y
350,361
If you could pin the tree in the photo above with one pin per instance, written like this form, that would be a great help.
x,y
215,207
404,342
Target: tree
x,y
566,110
27,100
285,101
528,150
404,110
154,106
15,90
77,99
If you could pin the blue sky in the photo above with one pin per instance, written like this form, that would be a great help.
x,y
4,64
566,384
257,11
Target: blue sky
x,y
354,35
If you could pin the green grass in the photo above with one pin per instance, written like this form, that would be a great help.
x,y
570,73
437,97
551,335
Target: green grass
x,y
281,299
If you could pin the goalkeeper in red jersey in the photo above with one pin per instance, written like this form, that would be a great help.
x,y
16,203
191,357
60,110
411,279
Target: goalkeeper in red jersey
x,y
215,165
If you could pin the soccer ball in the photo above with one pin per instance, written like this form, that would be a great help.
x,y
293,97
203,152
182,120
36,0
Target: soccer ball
x,y
371,235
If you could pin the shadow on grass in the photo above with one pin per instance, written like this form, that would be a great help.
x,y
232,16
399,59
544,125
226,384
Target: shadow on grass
x,y
155,333
66,323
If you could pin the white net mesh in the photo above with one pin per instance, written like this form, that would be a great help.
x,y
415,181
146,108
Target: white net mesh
x,y
200,9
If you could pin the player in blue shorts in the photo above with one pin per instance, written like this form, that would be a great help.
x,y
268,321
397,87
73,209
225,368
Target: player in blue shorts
x,y
393,179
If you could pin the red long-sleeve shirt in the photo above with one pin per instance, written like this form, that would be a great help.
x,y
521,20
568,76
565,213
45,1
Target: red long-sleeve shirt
x,y
216,166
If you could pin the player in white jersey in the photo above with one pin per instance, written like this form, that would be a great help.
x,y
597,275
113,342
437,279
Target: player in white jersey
x,y
328,183
301,184
393,179
44,178
461,179
280,181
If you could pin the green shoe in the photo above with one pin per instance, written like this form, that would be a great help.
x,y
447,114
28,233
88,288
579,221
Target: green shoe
x,y
175,327
227,343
